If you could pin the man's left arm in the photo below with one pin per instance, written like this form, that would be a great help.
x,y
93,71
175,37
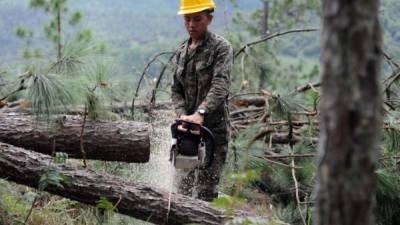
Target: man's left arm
x,y
221,80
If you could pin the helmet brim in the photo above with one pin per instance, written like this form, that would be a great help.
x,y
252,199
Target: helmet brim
x,y
194,10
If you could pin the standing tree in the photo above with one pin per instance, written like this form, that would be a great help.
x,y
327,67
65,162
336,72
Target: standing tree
x,y
264,31
350,112
56,32
274,16
54,29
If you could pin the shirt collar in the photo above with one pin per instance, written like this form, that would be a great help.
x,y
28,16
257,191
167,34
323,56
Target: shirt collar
x,y
202,42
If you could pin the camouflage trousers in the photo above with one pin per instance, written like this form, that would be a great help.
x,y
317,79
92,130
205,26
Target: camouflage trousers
x,y
207,179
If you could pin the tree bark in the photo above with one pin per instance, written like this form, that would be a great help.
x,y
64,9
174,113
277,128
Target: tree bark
x,y
264,32
86,186
350,112
124,141
250,101
25,107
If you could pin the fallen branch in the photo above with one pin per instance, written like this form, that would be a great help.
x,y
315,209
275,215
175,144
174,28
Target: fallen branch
x,y
257,101
306,87
296,186
307,155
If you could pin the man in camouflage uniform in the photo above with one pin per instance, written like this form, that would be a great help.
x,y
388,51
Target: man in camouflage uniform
x,y
199,93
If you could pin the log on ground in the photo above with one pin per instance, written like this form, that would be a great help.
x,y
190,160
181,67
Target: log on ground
x,y
86,186
125,141
257,101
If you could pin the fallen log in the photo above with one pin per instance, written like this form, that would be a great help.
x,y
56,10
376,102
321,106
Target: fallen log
x,y
124,141
86,186
258,101
25,106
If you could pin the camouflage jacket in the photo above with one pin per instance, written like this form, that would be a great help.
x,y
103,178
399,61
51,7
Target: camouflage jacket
x,y
202,79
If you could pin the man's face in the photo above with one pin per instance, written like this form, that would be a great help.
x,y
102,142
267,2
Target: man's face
x,y
196,24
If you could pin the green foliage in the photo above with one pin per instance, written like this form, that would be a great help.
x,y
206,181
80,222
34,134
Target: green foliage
x,y
85,35
392,140
98,90
94,106
391,135
245,177
52,177
48,95
76,17
281,107
387,197
105,204
312,98
52,6
289,214
60,157
23,33
228,203
54,29
74,57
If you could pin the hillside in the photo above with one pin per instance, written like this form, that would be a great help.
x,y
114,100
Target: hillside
x,y
121,24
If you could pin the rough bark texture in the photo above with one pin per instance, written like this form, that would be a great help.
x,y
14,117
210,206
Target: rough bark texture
x,y
136,200
350,112
253,101
25,107
112,141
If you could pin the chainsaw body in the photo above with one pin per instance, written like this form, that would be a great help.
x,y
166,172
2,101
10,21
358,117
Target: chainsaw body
x,y
192,145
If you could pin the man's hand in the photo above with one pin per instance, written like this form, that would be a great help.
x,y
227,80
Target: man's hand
x,y
195,118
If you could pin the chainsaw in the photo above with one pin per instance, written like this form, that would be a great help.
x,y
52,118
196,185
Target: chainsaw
x,y
192,149
192,145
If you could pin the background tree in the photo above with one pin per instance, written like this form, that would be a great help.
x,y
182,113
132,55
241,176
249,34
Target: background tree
x,y
277,56
350,112
54,29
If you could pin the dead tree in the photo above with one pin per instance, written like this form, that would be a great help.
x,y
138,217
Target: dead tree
x,y
86,186
350,112
124,141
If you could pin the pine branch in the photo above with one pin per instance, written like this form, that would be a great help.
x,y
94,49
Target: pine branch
x,y
146,68
154,92
269,37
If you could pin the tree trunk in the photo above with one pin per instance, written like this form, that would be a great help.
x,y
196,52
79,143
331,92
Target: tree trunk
x,y
59,46
86,186
265,24
264,31
350,112
124,141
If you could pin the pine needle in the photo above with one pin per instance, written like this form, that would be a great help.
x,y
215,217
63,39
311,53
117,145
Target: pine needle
x,y
48,95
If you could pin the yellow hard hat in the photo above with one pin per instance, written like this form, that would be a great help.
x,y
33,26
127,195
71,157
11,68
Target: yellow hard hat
x,y
193,6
